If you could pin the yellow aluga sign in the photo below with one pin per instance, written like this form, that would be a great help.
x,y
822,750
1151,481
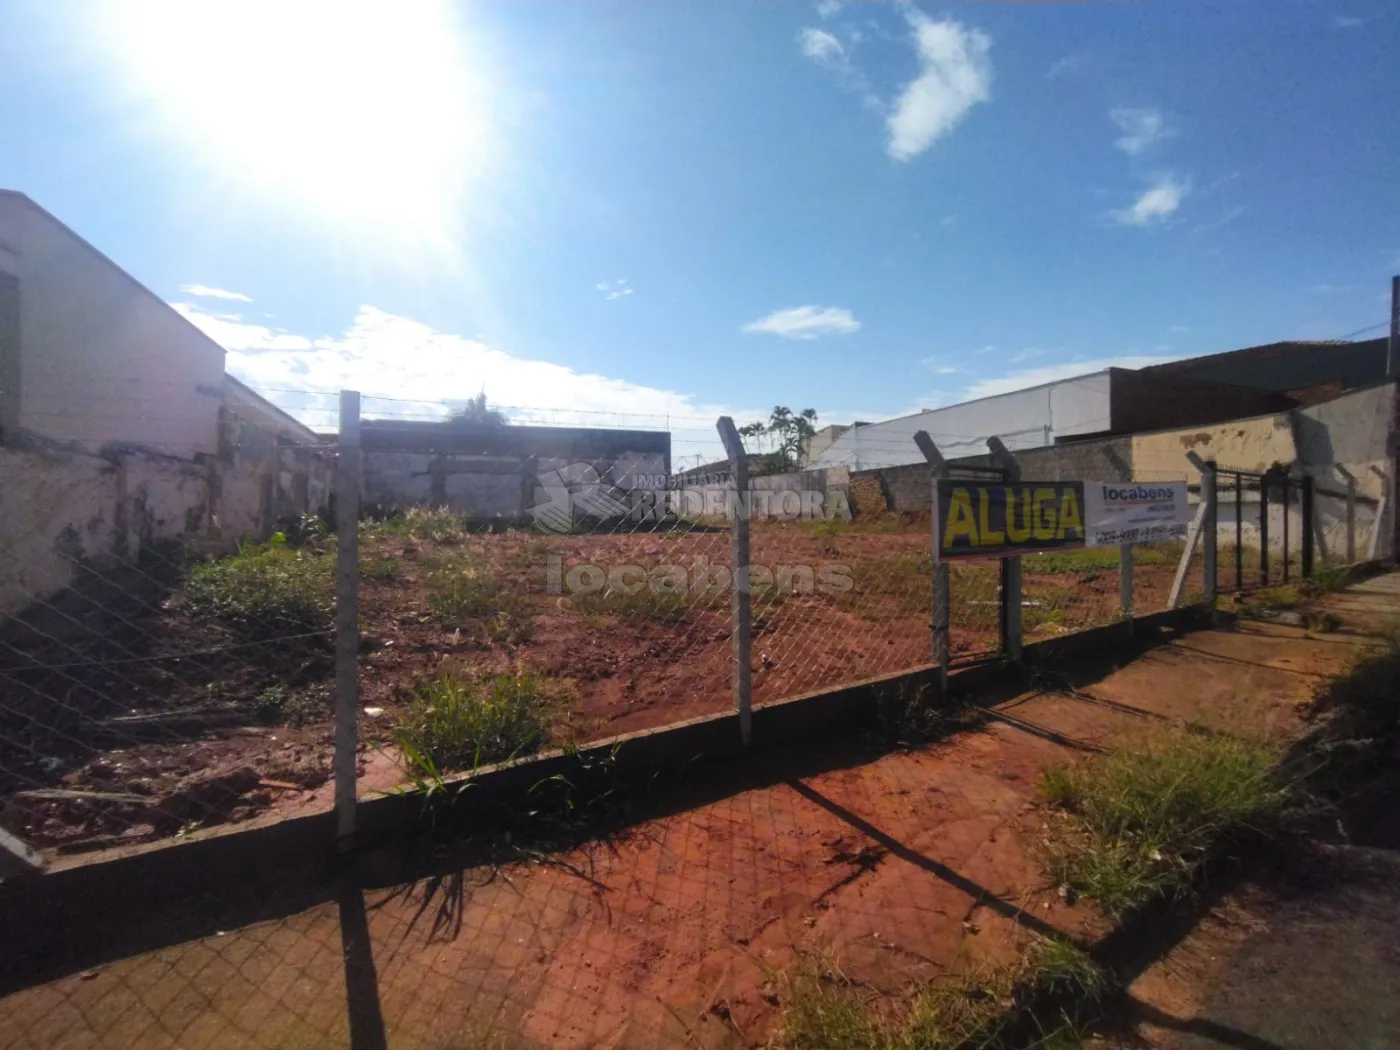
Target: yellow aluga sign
x,y
998,519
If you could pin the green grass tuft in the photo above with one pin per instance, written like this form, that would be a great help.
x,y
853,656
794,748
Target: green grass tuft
x,y
266,589
466,590
1145,819
826,1010
460,723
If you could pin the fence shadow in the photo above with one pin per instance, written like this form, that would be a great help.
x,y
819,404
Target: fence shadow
x,y
281,871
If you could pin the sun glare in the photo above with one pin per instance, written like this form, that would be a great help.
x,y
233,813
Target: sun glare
x,y
367,111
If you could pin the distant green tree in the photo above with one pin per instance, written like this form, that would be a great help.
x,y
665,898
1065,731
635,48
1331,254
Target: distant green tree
x,y
476,412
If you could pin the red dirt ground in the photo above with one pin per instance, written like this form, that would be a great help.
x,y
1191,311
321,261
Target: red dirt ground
x,y
625,669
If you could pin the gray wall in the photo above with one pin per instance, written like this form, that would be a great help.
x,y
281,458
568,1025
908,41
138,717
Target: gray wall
x,y
485,487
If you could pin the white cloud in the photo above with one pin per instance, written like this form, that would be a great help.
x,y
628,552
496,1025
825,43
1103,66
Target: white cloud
x,y
614,289
821,46
938,368
1156,203
232,333
207,292
1141,128
1325,288
427,371
1052,373
1063,66
805,322
1030,353
827,8
955,74
828,52
1180,329
1348,22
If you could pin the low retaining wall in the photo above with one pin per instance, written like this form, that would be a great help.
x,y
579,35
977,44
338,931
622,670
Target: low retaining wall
x,y
86,909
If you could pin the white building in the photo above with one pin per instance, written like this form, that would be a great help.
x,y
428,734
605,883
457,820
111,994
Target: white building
x,y
118,427
1026,418
1113,401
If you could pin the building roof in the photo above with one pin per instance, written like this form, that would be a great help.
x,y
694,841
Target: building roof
x,y
234,391
1308,370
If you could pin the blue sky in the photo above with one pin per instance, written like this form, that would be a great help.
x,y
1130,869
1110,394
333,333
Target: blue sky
x,y
675,209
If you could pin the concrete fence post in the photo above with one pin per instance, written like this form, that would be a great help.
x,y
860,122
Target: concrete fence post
x,y
741,616
1350,479
1010,567
941,596
1374,549
1206,532
347,615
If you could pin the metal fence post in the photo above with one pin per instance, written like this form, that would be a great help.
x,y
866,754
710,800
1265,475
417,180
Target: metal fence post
x,y
1211,549
1010,567
1309,525
740,624
347,614
1239,532
1125,584
939,624
1264,530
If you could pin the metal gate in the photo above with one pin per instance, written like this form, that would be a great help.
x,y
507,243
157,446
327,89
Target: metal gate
x,y
1271,542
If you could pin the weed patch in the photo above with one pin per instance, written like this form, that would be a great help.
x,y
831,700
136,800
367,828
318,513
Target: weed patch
x,y
642,606
279,704
382,568
468,591
1142,820
458,723
984,1007
429,524
265,589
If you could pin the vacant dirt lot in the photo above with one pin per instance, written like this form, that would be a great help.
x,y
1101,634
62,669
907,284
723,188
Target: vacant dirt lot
x,y
136,707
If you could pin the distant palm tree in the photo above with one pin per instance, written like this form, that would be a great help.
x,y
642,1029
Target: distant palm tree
x,y
787,435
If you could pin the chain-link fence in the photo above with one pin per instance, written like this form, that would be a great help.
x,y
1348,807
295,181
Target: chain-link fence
x,y
149,682
169,661
167,648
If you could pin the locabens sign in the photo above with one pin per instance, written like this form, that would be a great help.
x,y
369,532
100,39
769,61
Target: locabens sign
x,y
1135,512
995,519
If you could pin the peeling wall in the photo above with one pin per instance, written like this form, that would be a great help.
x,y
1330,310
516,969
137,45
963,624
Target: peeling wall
x,y
262,482
62,505
1244,444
